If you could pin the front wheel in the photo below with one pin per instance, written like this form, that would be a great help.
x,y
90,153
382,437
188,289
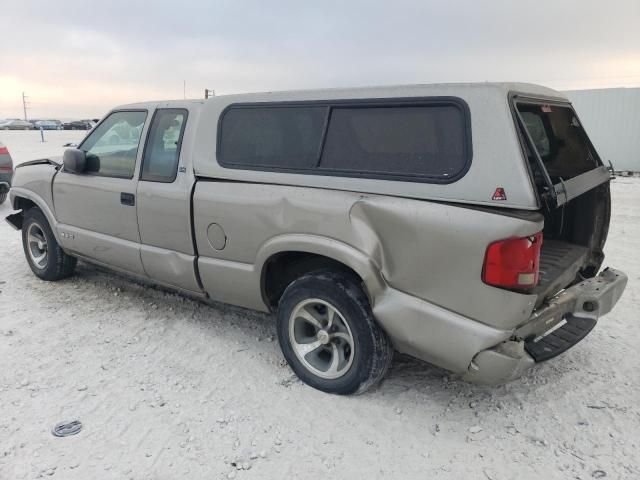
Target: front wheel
x,y
3,197
45,257
328,334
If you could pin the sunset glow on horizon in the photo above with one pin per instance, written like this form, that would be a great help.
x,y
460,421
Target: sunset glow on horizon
x,y
74,64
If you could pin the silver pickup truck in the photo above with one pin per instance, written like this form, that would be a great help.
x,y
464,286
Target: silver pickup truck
x,y
463,224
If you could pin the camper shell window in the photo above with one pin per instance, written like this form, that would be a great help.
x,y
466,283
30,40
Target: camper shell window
x,y
426,140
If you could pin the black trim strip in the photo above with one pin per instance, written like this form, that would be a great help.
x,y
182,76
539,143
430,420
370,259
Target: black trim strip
x,y
43,161
192,221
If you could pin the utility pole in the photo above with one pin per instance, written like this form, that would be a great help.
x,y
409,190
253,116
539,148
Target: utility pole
x,y
184,89
209,92
25,105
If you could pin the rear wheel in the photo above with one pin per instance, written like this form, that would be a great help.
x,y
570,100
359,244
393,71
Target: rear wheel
x,y
45,257
328,334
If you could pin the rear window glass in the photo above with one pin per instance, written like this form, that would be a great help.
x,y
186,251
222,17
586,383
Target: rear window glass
x,y
559,139
423,141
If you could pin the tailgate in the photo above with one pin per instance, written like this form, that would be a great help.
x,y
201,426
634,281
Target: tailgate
x,y
572,185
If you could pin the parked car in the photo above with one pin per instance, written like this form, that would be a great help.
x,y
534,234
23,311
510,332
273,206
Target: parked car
x,y
460,224
48,125
6,172
78,125
16,125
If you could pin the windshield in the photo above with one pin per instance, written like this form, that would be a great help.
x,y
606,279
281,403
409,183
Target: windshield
x,y
559,139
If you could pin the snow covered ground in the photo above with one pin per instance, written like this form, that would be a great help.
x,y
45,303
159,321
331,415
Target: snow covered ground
x,y
28,145
168,388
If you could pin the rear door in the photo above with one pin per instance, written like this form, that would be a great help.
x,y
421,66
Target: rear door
x,y
164,202
97,209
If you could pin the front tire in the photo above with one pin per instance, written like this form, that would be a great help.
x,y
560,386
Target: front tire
x,y
329,336
45,257
3,197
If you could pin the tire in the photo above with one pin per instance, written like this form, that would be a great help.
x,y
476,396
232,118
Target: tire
x,y
3,197
38,239
363,350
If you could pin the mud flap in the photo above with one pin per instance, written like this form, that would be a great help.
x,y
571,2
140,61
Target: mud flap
x,y
15,220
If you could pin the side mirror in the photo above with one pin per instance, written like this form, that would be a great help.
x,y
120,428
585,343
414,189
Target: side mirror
x,y
74,160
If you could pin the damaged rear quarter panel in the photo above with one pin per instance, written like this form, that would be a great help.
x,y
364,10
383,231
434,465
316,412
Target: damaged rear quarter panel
x,y
435,252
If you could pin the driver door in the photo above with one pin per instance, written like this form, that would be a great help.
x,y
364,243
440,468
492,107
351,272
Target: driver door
x,y
96,210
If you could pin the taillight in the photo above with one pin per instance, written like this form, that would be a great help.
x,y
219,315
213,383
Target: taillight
x,y
513,263
4,150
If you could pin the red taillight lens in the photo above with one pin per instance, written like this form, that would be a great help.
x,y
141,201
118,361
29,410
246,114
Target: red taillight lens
x,y
4,150
513,263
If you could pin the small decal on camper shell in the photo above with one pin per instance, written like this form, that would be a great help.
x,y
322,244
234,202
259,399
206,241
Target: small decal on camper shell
x,y
499,194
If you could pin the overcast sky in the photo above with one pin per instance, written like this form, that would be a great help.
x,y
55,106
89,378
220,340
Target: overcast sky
x,y
80,58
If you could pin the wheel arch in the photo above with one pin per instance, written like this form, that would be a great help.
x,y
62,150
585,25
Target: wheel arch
x,y
284,258
23,200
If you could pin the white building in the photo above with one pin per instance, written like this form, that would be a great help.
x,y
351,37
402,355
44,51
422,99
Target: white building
x,y
611,117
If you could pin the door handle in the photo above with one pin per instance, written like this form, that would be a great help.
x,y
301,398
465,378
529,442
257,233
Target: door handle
x,y
127,199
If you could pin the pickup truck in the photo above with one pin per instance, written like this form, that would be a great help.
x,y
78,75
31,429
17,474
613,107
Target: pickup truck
x,y
463,224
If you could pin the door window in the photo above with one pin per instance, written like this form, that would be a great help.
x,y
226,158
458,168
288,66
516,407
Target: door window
x,y
161,155
111,149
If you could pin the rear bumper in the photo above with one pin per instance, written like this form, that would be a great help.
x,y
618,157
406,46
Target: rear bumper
x,y
561,323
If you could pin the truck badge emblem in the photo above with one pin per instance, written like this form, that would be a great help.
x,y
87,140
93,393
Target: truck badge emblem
x,y
499,194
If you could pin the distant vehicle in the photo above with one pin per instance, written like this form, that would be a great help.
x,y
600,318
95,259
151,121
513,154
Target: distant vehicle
x,y
16,125
78,125
48,124
6,172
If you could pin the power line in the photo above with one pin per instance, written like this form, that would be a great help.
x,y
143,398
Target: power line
x,y
25,105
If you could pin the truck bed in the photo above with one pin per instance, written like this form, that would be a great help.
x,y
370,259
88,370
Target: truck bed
x,y
559,264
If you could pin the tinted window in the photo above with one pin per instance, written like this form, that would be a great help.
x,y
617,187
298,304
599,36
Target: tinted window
x,y
285,137
113,146
559,139
421,140
535,126
162,152
427,140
